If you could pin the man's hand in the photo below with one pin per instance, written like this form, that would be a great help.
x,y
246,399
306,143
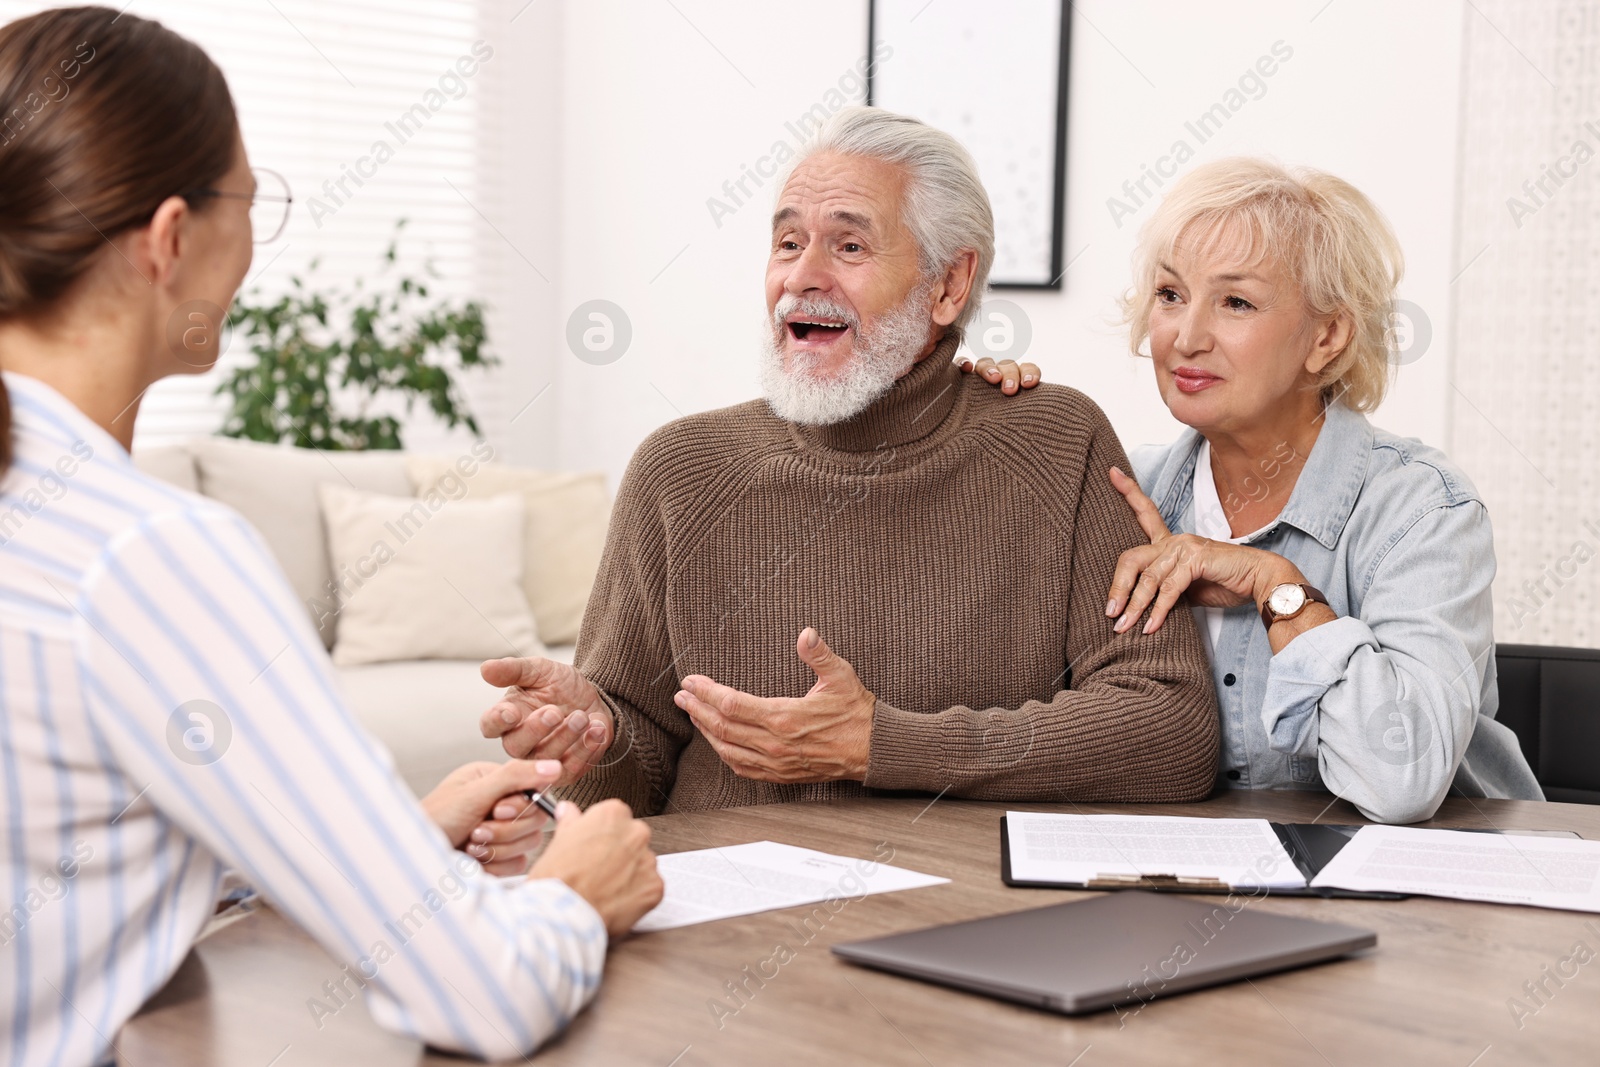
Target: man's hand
x,y
823,736
604,856
549,711
481,806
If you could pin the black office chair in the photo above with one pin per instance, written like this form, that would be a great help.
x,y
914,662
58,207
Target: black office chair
x,y
1550,697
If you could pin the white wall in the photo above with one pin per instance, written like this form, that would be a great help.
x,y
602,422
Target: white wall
x,y
655,121
529,43
660,104
1525,395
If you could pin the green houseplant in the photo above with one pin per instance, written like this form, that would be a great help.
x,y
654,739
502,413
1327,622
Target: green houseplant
x,y
323,358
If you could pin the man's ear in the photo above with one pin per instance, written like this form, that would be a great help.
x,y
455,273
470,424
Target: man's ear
x,y
1332,338
955,288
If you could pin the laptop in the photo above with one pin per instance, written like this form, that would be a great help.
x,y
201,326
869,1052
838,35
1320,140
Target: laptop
x,y
1120,948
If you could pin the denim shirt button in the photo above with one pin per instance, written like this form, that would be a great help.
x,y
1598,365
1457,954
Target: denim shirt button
x,y
1233,775
1228,679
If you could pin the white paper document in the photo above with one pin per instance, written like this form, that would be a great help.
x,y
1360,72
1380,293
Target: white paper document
x,y
720,883
1541,871
1079,849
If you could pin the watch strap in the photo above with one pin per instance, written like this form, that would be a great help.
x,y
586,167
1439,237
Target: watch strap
x,y
1313,595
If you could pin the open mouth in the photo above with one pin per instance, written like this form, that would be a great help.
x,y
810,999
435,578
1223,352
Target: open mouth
x,y
816,330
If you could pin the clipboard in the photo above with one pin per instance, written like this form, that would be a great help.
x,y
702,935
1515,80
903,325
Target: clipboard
x,y
1310,845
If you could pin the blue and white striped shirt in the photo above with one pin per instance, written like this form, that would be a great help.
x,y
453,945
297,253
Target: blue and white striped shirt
x,y
166,715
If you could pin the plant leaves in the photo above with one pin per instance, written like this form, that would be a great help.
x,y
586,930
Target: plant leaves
x,y
314,349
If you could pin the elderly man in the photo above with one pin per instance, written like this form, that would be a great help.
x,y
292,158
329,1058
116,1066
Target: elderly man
x,y
878,499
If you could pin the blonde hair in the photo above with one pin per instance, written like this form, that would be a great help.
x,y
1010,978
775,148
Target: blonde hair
x,y
1333,242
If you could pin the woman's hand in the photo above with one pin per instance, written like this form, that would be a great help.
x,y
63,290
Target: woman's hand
x,y
481,806
1008,374
1214,573
604,856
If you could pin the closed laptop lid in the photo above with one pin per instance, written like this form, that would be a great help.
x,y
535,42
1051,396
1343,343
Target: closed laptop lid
x,y
1118,948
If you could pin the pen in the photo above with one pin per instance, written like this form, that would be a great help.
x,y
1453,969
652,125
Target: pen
x,y
546,805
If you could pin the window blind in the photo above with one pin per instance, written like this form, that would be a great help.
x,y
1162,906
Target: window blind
x,y
373,111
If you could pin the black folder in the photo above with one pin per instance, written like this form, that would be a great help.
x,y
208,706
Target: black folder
x,y
1309,845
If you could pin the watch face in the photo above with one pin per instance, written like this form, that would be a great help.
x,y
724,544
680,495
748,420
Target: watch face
x,y
1287,599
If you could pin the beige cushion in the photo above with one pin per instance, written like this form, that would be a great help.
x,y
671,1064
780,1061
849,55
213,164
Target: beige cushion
x,y
425,712
427,578
275,488
170,463
565,530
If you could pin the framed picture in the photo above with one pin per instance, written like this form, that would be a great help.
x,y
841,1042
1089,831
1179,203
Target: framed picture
x,y
995,77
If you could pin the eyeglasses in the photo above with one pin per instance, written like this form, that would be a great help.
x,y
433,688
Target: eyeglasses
x,y
269,204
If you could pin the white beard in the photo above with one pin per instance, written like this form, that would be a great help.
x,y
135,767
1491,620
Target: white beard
x,y
881,356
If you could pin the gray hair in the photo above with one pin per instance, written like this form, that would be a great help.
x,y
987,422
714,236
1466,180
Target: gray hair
x,y
946,208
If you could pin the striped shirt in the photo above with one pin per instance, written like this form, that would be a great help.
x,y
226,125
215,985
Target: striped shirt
x,y
167,715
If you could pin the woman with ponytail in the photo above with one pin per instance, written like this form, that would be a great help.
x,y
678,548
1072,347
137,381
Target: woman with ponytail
x,y
167,715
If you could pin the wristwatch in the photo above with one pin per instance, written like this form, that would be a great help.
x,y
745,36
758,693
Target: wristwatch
x,y
1288,600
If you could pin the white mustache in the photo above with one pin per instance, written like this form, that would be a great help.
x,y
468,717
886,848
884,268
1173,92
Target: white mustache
x,y
819,306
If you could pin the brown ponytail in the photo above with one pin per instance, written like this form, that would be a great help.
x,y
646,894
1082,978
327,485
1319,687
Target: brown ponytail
x,y
102,117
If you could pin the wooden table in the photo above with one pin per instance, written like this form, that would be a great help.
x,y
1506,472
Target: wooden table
x,y
1434,991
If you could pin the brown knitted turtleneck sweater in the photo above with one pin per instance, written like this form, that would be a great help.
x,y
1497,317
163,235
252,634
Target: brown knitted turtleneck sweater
x,y
954,545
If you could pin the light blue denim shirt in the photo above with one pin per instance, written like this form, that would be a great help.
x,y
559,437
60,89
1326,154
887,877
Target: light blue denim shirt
x,y
1393,703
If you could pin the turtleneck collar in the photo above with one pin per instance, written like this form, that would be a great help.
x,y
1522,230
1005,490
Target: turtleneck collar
x,y
914,407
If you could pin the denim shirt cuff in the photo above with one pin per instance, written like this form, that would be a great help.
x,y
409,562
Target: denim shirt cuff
x,y
1300,674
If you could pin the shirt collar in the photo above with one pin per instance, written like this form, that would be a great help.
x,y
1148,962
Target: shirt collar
x,y
1324,495
1174,481
38,407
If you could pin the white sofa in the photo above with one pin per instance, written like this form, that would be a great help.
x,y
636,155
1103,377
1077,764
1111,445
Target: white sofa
x,y
425,711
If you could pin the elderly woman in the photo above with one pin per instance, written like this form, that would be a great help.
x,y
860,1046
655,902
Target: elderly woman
x,y
1341,574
